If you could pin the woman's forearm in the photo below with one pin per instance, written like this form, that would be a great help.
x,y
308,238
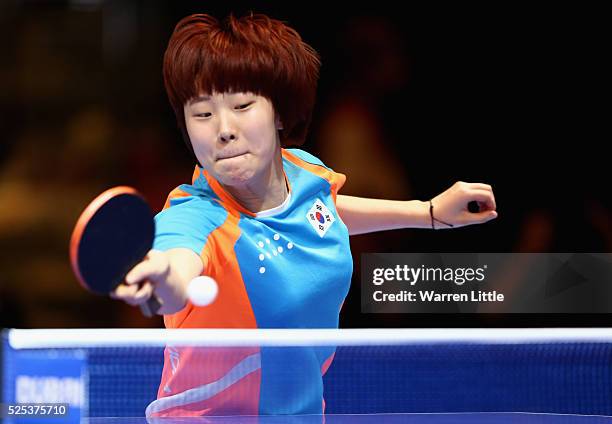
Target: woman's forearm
x,y
362,215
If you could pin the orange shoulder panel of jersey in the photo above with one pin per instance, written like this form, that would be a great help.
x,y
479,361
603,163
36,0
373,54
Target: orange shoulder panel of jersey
x,y
232,308
335,179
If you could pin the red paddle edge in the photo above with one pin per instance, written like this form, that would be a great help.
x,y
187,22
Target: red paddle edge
x,y
86,215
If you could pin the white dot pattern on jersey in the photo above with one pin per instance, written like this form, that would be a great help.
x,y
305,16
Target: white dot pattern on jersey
x,y
274,250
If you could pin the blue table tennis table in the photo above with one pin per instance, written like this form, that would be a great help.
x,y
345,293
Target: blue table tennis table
x,y
421,376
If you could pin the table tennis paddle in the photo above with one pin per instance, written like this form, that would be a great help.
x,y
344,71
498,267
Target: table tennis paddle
x,y
112,235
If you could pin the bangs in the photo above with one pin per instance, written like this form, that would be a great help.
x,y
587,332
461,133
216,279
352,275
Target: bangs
x,y
238,68
251,54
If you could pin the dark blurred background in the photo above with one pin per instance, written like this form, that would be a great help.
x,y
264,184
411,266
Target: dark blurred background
x,y
410,100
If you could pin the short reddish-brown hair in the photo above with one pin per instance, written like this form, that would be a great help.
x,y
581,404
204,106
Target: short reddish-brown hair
x,y
254,54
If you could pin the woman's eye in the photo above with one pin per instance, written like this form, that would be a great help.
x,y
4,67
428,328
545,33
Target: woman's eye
x,y
203,115
244,106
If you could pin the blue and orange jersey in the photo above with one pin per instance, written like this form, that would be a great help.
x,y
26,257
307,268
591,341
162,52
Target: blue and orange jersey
x,y
287,267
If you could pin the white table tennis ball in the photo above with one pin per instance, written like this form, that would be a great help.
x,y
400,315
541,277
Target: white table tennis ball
x,y
202,290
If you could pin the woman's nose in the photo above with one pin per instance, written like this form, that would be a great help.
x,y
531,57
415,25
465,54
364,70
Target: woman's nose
x,y
227,136
227,129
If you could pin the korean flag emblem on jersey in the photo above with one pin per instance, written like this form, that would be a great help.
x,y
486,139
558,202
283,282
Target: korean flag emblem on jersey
x,y
320,217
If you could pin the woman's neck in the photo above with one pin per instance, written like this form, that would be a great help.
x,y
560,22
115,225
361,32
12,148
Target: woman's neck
x,y
265,191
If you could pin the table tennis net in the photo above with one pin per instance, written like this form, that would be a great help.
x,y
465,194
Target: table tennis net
x,y
118,372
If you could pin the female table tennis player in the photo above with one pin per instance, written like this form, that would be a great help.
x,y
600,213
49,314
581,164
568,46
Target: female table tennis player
x,y
265,221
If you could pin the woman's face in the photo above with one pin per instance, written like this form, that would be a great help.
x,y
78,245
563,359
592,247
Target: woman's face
x,y
234,135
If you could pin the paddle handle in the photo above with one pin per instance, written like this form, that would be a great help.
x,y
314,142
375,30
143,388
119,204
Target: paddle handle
x,y
151,306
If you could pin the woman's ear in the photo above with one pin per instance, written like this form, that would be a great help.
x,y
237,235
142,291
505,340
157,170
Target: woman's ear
x,y
278,123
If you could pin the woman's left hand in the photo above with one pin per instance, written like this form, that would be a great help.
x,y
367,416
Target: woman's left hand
x,y
451,206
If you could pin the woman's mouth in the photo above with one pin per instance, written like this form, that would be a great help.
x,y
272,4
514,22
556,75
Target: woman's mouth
x,y
230,155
